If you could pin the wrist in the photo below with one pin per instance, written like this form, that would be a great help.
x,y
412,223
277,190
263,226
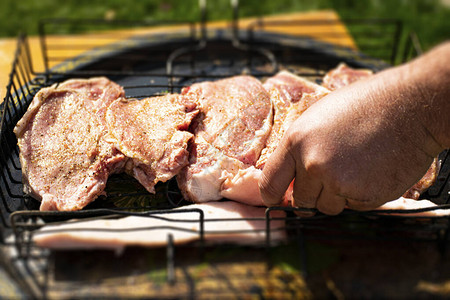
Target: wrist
x,y
429,78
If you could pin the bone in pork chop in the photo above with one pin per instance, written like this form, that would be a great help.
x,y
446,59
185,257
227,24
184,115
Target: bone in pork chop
x,y
65,157
153,133
232,128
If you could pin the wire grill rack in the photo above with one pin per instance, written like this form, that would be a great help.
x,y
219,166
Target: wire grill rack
x,y
148,64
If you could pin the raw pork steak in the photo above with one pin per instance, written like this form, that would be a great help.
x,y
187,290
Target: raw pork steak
x,y
65,157
291,95
231,130
343,75
235,115
153,133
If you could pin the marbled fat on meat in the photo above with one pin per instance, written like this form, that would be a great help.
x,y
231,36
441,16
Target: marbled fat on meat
x,y
153,133
65,157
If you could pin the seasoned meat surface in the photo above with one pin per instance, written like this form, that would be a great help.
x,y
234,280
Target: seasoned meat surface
x,y
153,133
235,115
65,157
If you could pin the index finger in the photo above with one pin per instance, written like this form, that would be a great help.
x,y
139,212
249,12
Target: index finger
x,y
276,176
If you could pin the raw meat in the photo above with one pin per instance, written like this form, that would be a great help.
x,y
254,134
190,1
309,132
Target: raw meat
x,y
76,134
236,115
425,182
215,173
65,157
343,75
234,122
243,187
403,203
209,167
292,87
153,133
224,222
291,95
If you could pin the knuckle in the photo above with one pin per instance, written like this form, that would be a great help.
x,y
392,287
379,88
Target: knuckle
x,y
292,138
313,167
306,202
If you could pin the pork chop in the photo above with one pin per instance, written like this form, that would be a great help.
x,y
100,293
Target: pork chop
x,y
153,133
65,157
344,75
291,95
234,122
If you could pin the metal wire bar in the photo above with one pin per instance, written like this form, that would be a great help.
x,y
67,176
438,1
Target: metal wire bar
x,y
170,259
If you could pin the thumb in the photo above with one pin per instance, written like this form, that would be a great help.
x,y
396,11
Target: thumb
x,y
278,173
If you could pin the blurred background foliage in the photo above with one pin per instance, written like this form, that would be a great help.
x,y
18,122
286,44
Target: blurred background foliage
x,y
430,19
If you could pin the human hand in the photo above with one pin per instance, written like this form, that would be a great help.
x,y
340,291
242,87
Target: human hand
x,y
358,147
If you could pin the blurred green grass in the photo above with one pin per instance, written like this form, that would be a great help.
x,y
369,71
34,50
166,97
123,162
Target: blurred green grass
x,y
430,19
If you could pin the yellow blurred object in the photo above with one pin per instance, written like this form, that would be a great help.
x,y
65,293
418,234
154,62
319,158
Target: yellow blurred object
x,y
321,25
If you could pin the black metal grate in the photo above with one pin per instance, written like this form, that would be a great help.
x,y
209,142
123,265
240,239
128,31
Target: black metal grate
x,y
153,63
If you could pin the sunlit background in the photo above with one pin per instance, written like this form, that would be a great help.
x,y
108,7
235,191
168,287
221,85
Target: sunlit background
x,y
430,19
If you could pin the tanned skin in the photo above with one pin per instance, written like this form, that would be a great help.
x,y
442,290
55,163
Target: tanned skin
x,y
367,143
